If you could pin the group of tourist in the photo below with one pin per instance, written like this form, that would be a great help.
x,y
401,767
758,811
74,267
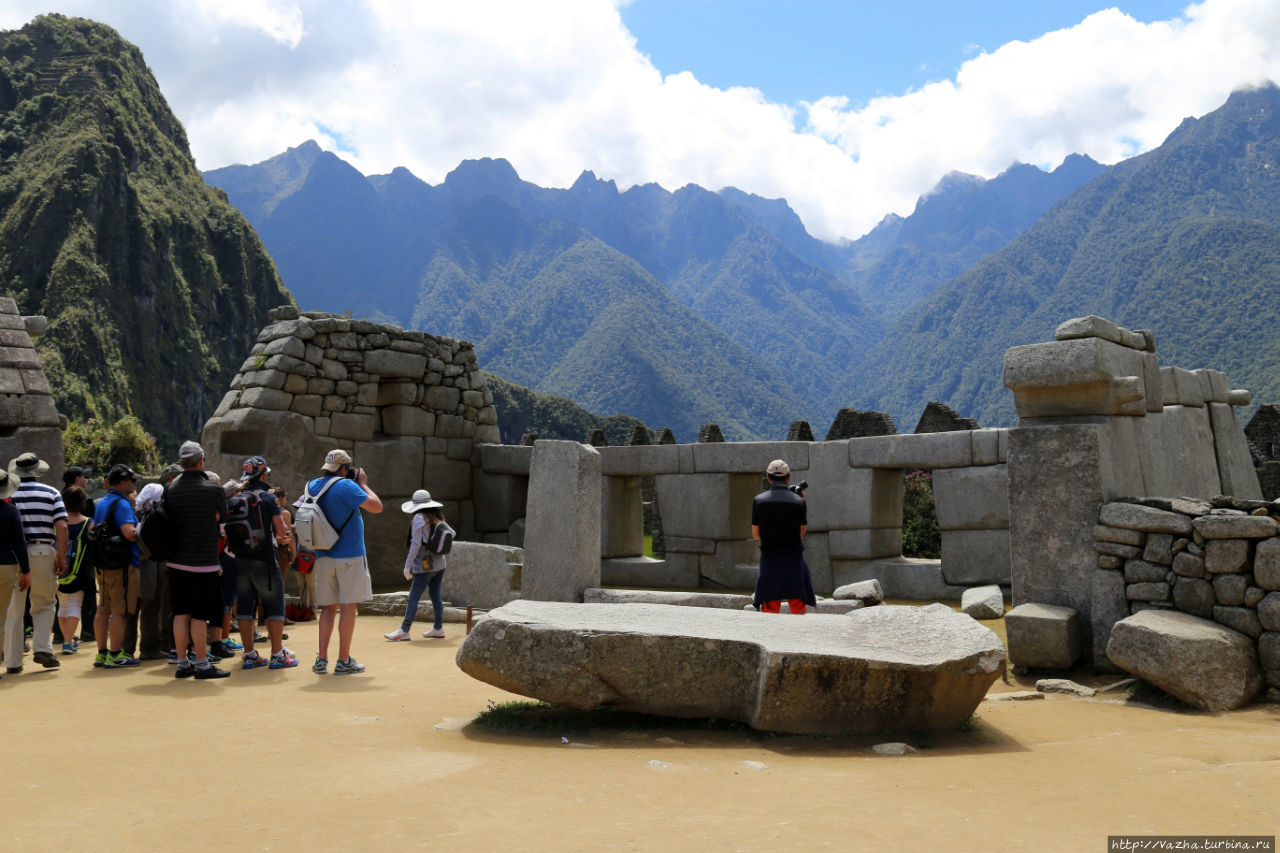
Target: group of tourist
x,y
220,565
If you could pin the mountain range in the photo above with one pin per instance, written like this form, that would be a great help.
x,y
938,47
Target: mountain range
x,y
679,308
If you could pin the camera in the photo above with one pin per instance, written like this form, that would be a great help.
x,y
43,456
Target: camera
x,y
799,487
353,473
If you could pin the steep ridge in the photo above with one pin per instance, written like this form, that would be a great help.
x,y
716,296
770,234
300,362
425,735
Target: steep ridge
x,y
1184,240
154,286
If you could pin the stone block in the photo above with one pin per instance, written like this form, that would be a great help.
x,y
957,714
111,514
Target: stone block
x,y
733,565
869,592
817,554
397,393
483,576
1096,327
901,577
352,426
1183,453
1266,564
499,499
1240,619
1269,651
1226,555
1230,589
441,398
1235,464
972,498
271,399
640,460
689,545
321,387
863,544
1188,390
333,369
445,478
1235,526
1147,591
294,384
1107,561
648,573
307,404
1153,388
1150,519
751,457
1118,535
1159,549
407,420
1200,662
1188,565
450,426
19,357
505,458
1253,596
1115,549
926,450
712,506
621,517
1195,596
394,465
983,602
1084,376
1140,571
389,362
842,497
1269,611
562,525
11,381
263,379
286,329
972,557
1043,636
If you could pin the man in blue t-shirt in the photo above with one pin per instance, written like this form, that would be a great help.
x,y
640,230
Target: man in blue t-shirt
x,y
117,585
342,572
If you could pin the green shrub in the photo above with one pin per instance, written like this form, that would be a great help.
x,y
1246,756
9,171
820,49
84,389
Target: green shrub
x,y
98,445
920,535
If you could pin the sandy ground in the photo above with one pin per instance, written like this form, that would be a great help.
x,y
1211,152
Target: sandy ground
x,y
288,760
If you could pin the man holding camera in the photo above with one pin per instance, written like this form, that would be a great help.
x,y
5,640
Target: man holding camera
x,y
342,572
778,521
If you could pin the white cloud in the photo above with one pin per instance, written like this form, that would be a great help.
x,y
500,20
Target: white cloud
x,y
559,86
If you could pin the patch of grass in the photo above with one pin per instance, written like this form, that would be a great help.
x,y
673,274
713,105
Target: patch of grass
x,y
530,717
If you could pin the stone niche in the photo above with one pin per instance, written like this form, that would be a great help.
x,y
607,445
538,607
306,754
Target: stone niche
x,y
407,406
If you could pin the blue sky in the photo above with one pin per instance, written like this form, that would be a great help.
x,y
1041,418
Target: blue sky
x,y
848,110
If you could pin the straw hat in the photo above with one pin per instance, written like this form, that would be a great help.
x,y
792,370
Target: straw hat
x,y
421,500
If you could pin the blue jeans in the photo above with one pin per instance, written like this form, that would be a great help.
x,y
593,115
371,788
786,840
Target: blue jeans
x,y
429,582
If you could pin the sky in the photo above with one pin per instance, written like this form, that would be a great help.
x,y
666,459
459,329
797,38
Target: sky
x,y
849,110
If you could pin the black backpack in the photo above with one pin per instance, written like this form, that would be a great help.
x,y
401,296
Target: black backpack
x,y
156,537
440,540
107,548
246,526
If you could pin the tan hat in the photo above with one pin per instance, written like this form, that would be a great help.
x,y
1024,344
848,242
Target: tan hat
x,y
27,465
778,468
8,485
335,459
421,500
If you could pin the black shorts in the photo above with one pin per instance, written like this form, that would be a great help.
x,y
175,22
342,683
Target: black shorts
x,y
196,594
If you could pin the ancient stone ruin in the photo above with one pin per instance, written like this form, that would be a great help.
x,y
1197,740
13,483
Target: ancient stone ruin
x,y
29,420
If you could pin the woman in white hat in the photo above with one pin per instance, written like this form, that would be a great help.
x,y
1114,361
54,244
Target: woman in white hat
x,y
430,537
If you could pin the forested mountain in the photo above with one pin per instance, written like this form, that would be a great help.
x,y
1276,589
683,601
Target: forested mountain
x,y
154,286
1183,240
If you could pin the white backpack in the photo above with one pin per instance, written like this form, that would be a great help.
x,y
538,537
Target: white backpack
x,y
314,532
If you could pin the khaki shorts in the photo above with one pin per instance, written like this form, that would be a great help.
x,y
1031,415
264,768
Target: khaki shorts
x,y
115,596
342,580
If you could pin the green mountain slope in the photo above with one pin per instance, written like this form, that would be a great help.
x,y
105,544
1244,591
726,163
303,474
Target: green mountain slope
x,y
153,284
1183,240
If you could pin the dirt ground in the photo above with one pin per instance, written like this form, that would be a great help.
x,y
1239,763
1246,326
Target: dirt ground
x,y
288,760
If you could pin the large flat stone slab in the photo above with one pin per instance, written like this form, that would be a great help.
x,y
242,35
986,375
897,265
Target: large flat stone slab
x,y
888,667
1200,662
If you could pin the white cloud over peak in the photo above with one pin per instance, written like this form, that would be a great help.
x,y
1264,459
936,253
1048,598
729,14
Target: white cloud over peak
x,y
559,86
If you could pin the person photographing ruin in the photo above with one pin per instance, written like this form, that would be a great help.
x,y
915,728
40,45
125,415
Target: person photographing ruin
x,y
778,521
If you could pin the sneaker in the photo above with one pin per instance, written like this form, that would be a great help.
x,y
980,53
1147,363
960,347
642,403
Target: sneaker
x,y
219,649
171,657
260,638
233,645
46,660
210,671
121,660
184,670
397,634
70,648
252,660
347,667
283,661
13,670
100,659
434,634
321,666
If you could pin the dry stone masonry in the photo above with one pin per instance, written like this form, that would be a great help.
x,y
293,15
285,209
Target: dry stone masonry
x,y
29,421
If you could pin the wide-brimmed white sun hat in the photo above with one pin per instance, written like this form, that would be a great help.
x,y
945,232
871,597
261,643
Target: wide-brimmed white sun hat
x,y
421,500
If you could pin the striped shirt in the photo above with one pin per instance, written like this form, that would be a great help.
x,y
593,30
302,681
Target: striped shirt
x,y
41,507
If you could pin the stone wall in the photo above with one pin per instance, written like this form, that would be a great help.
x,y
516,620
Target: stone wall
x,y
1219,561
1101,419
29,421
407,406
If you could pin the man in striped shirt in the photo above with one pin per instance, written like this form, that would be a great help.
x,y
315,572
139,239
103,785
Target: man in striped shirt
x,y
44,521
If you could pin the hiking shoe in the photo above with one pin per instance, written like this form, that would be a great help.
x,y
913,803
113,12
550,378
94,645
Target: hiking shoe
x,y
321,666
253,660
171,657
233,645
283,661
219,649
121,660
100,659
184,670
70,648
397,634
46,660
13,670
210,671
434,634
347,667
